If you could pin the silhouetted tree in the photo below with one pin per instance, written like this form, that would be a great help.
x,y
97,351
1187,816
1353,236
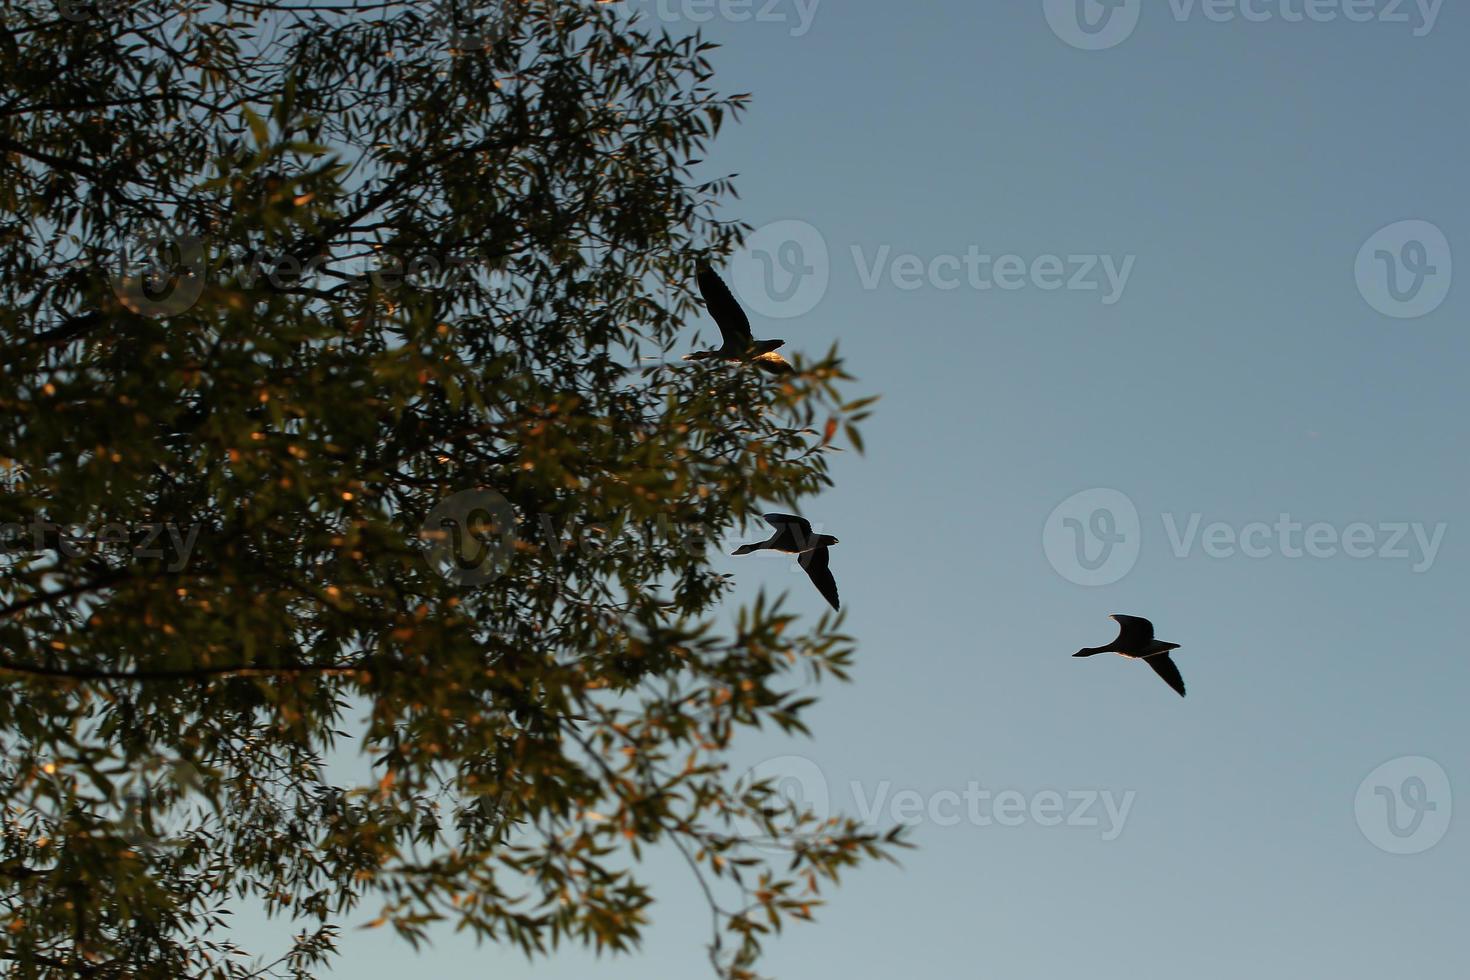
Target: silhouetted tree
x,y
295,303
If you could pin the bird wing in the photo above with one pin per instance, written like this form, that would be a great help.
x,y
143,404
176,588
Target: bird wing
x,y
1134,633
733,323
773,363
815,563
800,525
1166,669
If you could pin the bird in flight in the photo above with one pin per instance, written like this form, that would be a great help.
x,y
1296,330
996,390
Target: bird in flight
x,y
794,537
1136,640
738,346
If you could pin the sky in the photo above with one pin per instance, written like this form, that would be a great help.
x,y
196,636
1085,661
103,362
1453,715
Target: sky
x,y
1153,337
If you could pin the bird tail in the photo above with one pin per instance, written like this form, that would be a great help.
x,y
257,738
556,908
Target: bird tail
x,y
703,355
1089,652
747,549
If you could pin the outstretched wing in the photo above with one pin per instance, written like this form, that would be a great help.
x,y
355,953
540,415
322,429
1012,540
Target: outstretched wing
x,y
1134,633
733,323
1166,669
800,525
773,363
815,563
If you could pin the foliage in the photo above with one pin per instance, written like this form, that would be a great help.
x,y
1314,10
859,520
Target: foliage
x,y
390,252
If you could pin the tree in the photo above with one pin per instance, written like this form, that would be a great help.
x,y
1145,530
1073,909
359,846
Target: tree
x,y
295,303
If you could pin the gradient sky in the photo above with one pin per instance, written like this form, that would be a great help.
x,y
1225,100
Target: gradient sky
x,y
1241,376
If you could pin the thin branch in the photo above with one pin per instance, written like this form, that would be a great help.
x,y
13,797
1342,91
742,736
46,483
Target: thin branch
x,y
182,673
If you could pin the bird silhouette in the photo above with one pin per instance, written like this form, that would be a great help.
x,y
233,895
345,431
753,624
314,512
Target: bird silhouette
x,y
794,537
1136,640
738,346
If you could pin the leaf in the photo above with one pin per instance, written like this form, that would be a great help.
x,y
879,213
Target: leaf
x,y
257,127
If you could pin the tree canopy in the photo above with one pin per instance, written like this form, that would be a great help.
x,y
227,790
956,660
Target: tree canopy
x,y
290,293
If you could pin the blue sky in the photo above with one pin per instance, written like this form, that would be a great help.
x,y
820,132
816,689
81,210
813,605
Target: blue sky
x,y
1245,373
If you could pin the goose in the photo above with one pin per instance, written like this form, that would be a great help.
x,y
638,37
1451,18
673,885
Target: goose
x,y
1136,640
738,346
794,537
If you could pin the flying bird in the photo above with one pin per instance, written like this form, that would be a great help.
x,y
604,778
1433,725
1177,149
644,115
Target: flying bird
x,y
794,537
739,346
1136,640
